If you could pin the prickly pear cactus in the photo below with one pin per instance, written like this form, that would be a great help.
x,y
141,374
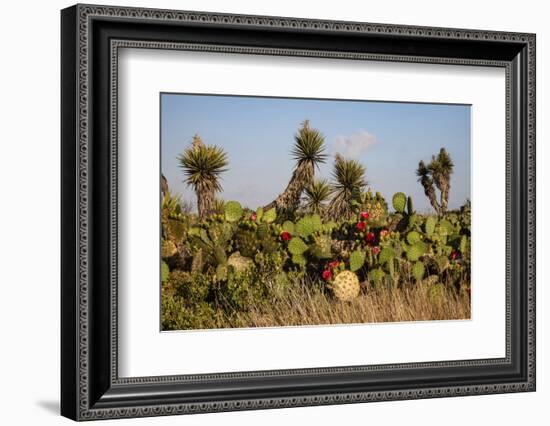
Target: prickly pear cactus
x,y
399,201
418,271
356,260
410,207
296,246
429,226
245,241
269,216
416,250
233,211
168,249
346,286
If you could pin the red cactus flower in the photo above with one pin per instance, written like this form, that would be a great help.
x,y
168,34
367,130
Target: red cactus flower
x,y
253,217
285,235
327,274
370,237
375,250
454,255
383,233
334,264
364,215
360,226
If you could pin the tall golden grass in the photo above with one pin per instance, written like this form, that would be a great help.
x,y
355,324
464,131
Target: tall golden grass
x,y
305,305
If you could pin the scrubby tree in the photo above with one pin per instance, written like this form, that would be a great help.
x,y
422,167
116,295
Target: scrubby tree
x,y
348,182
308,151
202,166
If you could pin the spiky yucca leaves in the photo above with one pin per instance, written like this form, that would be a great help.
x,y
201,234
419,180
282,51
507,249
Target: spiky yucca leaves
x,y
308,151
441,168
202,166
348,183
316,195
427,183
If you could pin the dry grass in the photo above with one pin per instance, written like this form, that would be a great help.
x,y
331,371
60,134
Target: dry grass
x,y
305,306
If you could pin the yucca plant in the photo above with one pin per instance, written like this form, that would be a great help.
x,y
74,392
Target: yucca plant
x,y
427,183
202,166
441,168
348,183
308,151
316,196
437,172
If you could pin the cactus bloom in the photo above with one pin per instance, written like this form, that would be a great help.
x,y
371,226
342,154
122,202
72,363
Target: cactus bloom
x,y
454,255
285,235
327,274
334,264
360,226
253,217
364,215
370,237
383,233
375,250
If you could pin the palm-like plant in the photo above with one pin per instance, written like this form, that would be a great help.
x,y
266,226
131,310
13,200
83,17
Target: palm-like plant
x,y
308,151
202,166
348,184
426,181
437,172
441,169
316,195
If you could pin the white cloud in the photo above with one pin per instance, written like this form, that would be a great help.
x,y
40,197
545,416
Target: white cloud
x,y
354,145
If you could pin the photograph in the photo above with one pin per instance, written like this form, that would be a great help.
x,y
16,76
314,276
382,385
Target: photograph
x,y
299,212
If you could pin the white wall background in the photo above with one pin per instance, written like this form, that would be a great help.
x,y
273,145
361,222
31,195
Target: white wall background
x,y
29,212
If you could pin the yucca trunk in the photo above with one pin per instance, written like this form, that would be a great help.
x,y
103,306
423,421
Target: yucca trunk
x,y
429,191
289,199
444,188
339,207
206,201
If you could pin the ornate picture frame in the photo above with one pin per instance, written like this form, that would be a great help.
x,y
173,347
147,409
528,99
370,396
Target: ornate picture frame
x,y
90,39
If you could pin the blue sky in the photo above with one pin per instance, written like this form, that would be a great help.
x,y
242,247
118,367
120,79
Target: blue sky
x,y
388,138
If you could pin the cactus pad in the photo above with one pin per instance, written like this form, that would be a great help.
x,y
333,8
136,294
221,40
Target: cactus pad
x,y
233,211
288,226
356,260
168,249
429,226
296,246
270,215
345,286
413,237
418,271
398,201
386,255
164,271
416,250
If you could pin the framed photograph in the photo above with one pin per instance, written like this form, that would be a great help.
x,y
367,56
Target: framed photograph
x,y
263,212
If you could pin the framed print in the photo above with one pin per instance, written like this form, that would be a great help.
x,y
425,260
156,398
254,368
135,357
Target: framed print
x,y
263,212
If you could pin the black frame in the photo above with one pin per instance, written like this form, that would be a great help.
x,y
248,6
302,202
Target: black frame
x,y
90,386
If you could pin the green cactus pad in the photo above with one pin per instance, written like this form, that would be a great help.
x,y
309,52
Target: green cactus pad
x,y
376,275
416,250
259,214
263,230
176,230
219,254
445,228
429,226
463,244
296,246
299,260
386,255
418,271
289,227
442,263
233,211
398,201
306,226
413,237
164,271
356,260
270,216
410,207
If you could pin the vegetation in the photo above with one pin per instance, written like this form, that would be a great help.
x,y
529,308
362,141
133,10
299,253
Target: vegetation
x,y
321,253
